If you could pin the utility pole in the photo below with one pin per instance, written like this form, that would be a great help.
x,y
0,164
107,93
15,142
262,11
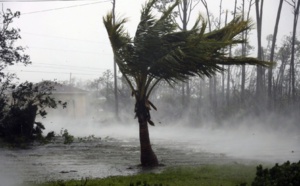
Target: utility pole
x,y
115,68
70,78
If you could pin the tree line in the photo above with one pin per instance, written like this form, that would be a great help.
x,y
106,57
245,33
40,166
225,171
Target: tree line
x,y
238,89
159,53
20,103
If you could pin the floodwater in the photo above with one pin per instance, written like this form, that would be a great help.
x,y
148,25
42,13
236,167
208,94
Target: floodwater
x,y
114,150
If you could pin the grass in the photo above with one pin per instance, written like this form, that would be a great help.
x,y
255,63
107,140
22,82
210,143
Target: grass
x,y
206,175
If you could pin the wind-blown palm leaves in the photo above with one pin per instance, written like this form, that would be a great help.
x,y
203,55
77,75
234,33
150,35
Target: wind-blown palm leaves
x,y
159,52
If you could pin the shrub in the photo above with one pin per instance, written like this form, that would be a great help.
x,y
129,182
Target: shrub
x,y
68,139
144,183
19,106
287,174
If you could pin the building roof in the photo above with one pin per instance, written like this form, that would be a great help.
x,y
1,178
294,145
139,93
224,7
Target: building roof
x,y
64,89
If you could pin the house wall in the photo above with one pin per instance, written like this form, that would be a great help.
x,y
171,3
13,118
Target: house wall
x,y
76,105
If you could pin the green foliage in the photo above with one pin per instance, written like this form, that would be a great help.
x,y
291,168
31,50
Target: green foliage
x,y
83,182
19,104
88,139
10,54
68,139
287,174
50,136
144,183
206,175
19,110
159,51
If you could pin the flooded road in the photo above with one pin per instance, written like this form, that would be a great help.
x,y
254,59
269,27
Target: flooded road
x,y
115,151
94,159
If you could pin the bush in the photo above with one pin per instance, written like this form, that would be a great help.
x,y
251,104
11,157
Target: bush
x,y
286,174
68,139
144,183
19,106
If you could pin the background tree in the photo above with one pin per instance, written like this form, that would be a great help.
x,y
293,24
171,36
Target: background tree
x,y
115,68
230,55
295,5
184,12
158,52
19,104
259,4
245,16
10,54
212,93
18,115
270,70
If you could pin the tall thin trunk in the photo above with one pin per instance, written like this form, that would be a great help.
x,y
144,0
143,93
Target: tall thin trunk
x,y
115,69
244,48
230,55
183,96
270,70
243,80
148,157
296,15
184,28
200,95
259,81
280,77
223,76
207,13
27,131
212,81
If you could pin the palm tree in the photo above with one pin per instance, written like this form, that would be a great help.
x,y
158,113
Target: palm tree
x,y
159,52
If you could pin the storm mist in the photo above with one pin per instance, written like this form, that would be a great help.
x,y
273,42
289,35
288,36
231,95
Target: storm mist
x,y
269,140
231,128
186,133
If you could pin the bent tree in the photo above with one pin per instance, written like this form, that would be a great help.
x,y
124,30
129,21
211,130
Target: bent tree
x,y
160,52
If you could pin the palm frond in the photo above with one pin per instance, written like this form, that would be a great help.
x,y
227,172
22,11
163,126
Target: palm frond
x,y
159,52
116,32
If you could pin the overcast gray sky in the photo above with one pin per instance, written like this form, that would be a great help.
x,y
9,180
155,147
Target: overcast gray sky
x,y
68,38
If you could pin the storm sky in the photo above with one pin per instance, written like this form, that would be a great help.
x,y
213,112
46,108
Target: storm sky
x,y
68,40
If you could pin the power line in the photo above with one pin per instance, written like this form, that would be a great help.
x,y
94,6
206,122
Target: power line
x,y
60,8
72,66
40,0
69,68
60,37
50,72
60,67
63,50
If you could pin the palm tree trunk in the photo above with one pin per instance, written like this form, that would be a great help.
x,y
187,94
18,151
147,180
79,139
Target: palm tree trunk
x,y
148,157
